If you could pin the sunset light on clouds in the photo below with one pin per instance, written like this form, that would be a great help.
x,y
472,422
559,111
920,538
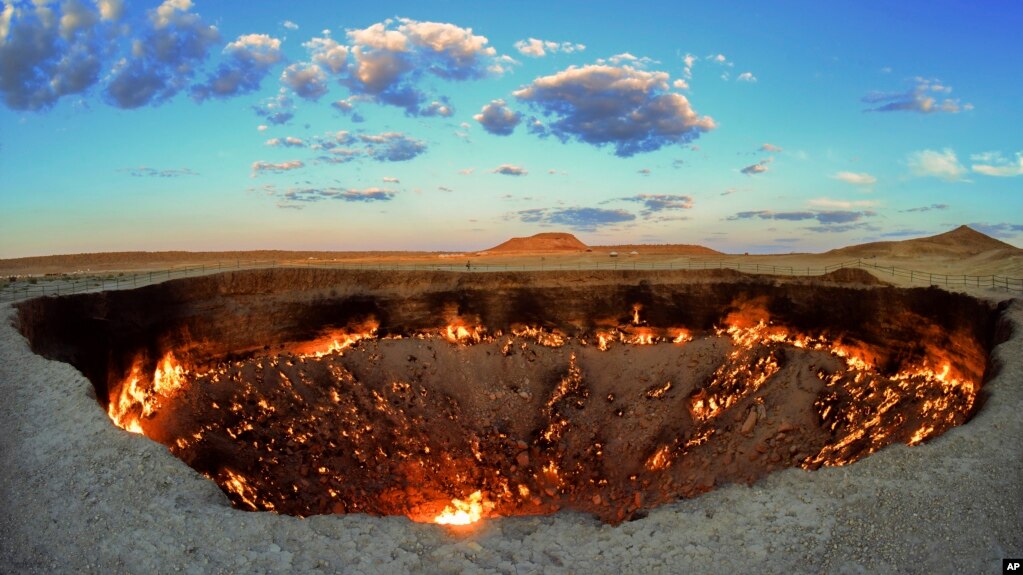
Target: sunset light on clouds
x,y
203,125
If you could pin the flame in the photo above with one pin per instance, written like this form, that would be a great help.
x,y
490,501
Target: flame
x,y
551,338
341,340
168,377
131,395
135,401
237,485
457,333
635,313
464,512
659,460
658,392
681,335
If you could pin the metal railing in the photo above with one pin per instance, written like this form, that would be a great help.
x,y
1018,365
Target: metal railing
x,y
71,284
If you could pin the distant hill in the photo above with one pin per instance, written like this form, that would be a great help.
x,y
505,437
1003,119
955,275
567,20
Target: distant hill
x,y
114,261
564,242
661,249
963,241
545,242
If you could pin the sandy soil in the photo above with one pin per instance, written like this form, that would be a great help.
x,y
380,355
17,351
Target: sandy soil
x,y
961,252
83,496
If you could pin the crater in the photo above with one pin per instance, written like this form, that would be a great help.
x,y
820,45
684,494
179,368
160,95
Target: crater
x,y
450,397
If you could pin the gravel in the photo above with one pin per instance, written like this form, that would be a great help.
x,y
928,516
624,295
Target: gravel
x,y
79,495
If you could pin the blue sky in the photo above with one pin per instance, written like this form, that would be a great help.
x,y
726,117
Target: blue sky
x,y
750,126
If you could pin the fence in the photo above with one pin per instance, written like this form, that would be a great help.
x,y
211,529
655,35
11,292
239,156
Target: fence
x,y
64,284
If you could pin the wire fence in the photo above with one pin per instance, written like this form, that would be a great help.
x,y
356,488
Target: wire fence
x,y
57,284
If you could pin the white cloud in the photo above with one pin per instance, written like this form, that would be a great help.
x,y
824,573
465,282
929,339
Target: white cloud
x,y
436,108
498,119
509,170
289,25
259,48
920,98
260,167
688,60
841,204
536,48
720,59
935,164
328,53
307,80
757,168
858,179
167,12
626,107
289,141
746,77
278,109
248,60
76,16
626,58
996,165
108,9
164,57
389,57
5,20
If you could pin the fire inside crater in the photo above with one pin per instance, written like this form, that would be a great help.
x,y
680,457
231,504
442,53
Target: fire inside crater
x,y
449,398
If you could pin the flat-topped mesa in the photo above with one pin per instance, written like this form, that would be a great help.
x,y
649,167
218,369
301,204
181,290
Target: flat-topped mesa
x,y
545,242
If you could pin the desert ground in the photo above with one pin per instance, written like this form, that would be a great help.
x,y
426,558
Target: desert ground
x,y
81,495
953,260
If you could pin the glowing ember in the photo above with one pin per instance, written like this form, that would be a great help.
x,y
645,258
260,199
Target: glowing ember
x,y
316,426
464,512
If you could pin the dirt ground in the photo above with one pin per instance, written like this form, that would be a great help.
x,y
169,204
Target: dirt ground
x,y
950,260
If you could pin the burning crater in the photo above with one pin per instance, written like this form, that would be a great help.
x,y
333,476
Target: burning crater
x,y
450,397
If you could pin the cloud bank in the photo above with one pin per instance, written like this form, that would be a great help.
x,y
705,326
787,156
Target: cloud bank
x,y
923,98
535,48
630,109
584,219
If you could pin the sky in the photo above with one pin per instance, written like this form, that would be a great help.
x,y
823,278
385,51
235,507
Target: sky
x,y
762,127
